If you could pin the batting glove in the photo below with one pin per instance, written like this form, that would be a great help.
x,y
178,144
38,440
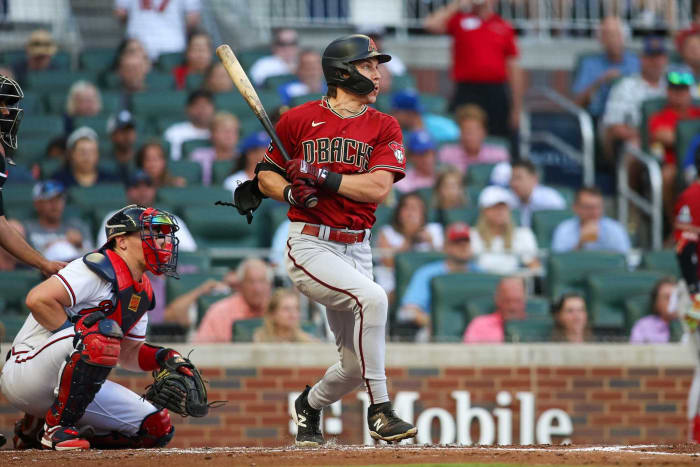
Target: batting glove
x,y
298,194
298,170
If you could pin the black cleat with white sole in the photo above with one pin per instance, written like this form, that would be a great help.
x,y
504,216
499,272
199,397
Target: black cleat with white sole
x,y
308,421
386,426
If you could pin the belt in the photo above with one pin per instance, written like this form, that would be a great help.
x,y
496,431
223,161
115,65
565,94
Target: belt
x,y
334,235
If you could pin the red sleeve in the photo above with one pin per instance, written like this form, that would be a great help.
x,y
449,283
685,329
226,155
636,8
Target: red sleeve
x,y
389,154
657,120
453,23
511,47
273,154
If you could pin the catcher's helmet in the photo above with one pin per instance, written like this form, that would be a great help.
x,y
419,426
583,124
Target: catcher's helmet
x,y
154,225
337,62
10,110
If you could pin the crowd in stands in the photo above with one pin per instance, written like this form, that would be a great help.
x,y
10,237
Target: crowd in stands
x,y
160,116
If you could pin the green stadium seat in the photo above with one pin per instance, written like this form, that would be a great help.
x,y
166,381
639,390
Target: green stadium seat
x,y
303,99
191,145
55,80
545,222
41,126
274,82
189,170
448,216
107,195
232,102
19,195
97,60
12,322
382,216
529,330
569,271
158,104
194,81
157,82
31,150
193,261
649,107
250,56
536,307
49,166
216,227
14,287
204,302
636,307
243,329
479,174
181,197
274,214
168,61
96,122
450,294
221,170
434,103
498,141
383,103
60,61
686,131
568,193
249,125
607,292
32,103
405,81
406,263
661,260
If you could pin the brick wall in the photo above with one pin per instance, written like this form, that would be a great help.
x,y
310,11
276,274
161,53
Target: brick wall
x,y
606,404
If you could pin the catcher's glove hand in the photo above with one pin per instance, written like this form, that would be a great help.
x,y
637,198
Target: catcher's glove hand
x,y
178,387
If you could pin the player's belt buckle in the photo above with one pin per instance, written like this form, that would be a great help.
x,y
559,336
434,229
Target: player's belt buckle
x,y
334,235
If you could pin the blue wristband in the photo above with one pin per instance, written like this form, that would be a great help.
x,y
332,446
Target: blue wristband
x,y
67,324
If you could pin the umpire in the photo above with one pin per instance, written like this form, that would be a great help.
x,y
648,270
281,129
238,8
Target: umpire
x,y
484,55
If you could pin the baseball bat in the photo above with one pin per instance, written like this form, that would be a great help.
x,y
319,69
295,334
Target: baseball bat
x,y
245,87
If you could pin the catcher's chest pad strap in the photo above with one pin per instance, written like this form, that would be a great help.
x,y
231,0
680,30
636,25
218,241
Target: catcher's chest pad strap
x,y
102,266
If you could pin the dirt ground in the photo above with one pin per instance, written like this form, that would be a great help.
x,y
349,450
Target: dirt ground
x,y
618,456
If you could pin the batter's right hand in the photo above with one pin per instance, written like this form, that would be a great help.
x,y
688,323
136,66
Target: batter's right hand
x,y
299,193
298,170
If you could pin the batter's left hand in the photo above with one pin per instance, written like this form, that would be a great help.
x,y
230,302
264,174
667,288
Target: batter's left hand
x,y
298,170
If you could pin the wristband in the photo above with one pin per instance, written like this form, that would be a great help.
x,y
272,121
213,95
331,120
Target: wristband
x,y
287,195
332,181
66,324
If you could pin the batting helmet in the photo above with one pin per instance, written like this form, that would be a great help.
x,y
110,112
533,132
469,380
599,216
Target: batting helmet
x,y
153,225
337,62
10,110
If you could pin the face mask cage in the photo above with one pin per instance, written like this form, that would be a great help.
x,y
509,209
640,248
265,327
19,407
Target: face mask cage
x,y
158,228
11,112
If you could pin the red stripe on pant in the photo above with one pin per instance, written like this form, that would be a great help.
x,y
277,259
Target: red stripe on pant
x,y
362,357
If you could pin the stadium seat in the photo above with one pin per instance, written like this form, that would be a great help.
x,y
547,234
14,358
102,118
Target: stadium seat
x,y
41,126
536,307
14,286
221,170
191,145
49,166
60,61
55,80
243,329
32,103
272,83
250,56
157,82
448,216
274,213
636,307
97,60
97,123
686,131
181,197
204,302
12,322
545,222
661,260
303,99
30,150
406,263
233,102
607,292
218,226
19,195
382,217
168,61
449,296
106,195
189,262
159,104
189,170
248,124
529,330
568,193
194,81
649,107
405,81
569,271
434,103
479,174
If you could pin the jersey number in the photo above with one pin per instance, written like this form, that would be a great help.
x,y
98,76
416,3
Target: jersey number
x,y
149,5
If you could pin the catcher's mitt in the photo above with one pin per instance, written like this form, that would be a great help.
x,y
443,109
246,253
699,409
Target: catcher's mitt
x,y
178,387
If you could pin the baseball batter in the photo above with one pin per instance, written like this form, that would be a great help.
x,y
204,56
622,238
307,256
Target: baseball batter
x,y
347,155
687,234
86,319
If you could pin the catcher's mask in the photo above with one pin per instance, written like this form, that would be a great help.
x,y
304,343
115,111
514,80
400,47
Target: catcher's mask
x,y
10,110
157,229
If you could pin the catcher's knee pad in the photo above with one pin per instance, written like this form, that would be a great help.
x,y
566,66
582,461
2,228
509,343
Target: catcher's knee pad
x,y
156,430
86,369
375,304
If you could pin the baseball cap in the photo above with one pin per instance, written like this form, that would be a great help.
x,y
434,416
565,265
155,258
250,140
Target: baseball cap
x,y
81,133
680,78
47,189
493,195
41,43
457,231
406,99
259,139
120,120
419,142
654,45
138,177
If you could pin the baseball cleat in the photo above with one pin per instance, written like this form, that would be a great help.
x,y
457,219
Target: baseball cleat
x,y
63,438
308,421
386,426
28,432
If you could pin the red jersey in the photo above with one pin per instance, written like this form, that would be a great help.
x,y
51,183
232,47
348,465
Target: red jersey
x,y
668,118
359,144
687,211
480,48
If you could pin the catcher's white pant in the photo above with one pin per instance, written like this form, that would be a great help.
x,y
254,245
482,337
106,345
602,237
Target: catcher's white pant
x,y
29,380
339,276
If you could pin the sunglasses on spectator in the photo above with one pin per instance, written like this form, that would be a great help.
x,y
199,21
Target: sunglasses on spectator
x,y
676,78
286,44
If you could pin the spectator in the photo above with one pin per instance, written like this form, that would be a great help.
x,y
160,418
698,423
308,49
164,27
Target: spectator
x,y
49,233
225,130
408,231
151,159
83,100
590,230
216,79
252,151
283,61
180,310
409,112
596,73
81,167
160,26
570,319
415,304
498,245
694,26
309,78
449,191
484,61
40,49
141,190
420,153
281,321
471,148
122,134
197,58
690,52
9,262
655,327
254,278
662,129
132,70
200,111
528,195
510,303
622,115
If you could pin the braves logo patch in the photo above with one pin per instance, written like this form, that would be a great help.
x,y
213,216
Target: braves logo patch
x,y
398,151
134,303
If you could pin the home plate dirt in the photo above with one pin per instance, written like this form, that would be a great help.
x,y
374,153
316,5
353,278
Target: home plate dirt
x,y
618,456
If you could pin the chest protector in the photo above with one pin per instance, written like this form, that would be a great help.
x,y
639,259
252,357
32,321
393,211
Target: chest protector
x,y
133,300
